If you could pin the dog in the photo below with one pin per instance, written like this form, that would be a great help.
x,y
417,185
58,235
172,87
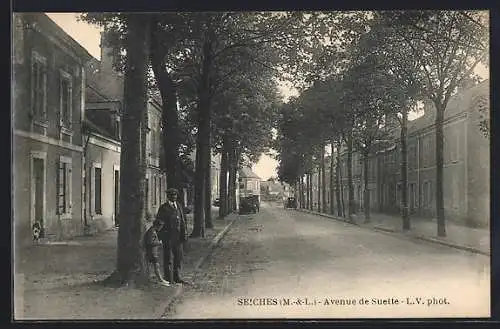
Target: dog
x,y
37,232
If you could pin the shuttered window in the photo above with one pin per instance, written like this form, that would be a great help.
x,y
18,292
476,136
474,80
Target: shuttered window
x,y
63,184
38,87
97,191
65,99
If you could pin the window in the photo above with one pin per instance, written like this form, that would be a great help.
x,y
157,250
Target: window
x,y
65,100
412,157
398,194
146,197
426,150
155,187
160,191
117,128
63,187
427,187
97,191
38,87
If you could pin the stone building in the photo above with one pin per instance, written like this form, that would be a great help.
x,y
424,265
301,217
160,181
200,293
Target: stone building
x,y
48,103
104,111
466,183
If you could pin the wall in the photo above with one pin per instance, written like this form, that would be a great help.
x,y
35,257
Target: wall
x,y
106,155
46,138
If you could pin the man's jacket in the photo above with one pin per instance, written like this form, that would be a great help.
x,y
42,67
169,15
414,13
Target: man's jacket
x,y
174,230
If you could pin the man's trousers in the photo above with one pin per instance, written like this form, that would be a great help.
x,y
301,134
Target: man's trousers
x,y
172,260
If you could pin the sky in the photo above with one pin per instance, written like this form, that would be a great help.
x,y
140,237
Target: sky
x,y
89,37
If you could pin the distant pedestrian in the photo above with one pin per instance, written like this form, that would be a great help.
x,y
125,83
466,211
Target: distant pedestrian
x,y
173,236
152,244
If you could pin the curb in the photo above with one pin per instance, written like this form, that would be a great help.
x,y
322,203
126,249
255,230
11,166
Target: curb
x,y
180,289
398,234
213,244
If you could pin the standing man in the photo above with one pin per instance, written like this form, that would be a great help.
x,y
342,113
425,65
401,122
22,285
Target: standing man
x,y
173,236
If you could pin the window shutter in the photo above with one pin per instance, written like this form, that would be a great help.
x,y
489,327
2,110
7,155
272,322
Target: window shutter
x,y
68,188
70,103
60,188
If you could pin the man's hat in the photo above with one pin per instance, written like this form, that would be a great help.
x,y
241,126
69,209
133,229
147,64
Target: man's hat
x,y
172,191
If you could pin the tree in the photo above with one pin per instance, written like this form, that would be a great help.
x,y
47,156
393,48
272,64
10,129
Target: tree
x,y
167,33
401,78
447,45
130,262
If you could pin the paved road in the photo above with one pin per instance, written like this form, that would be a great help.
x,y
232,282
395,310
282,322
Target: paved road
x,y
281,257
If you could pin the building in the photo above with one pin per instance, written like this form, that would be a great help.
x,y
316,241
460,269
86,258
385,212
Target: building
x,y
102,133
48,110
248,183
215,167
466,164
273,190
103,120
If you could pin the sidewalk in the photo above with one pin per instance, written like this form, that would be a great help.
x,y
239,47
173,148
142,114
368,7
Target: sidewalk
x,y
61,281
475,240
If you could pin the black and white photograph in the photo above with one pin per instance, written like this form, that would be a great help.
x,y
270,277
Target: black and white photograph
x,y
251,165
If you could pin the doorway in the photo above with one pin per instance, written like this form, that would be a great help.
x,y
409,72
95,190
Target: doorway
x,y
38,194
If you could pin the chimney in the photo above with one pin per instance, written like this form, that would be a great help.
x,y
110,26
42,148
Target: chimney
x,y
106,55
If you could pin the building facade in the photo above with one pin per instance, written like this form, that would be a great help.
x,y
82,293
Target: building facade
x,y
102,133
248,183
67,109
104,112
48,110
466,183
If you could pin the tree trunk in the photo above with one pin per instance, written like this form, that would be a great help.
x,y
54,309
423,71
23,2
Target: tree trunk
x,y
404,172
169,118
350,183
306,178
203,140
232,178
223,182
323,179
319,188
332,178
441,224
199,186
340,185
131,266
208,189
311,196
300,200
366,204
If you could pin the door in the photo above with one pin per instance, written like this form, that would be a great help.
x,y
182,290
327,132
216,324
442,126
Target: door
x,y
38,193
117,196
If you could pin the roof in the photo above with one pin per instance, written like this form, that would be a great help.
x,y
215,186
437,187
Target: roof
x,y
44,23
246,172
459,103
91,127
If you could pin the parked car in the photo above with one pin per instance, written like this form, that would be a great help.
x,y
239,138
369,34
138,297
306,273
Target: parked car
x,y
291,202
247,205
216,202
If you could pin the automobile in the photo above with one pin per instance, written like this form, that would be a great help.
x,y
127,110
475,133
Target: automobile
x,y
216,202
291,202
247,205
